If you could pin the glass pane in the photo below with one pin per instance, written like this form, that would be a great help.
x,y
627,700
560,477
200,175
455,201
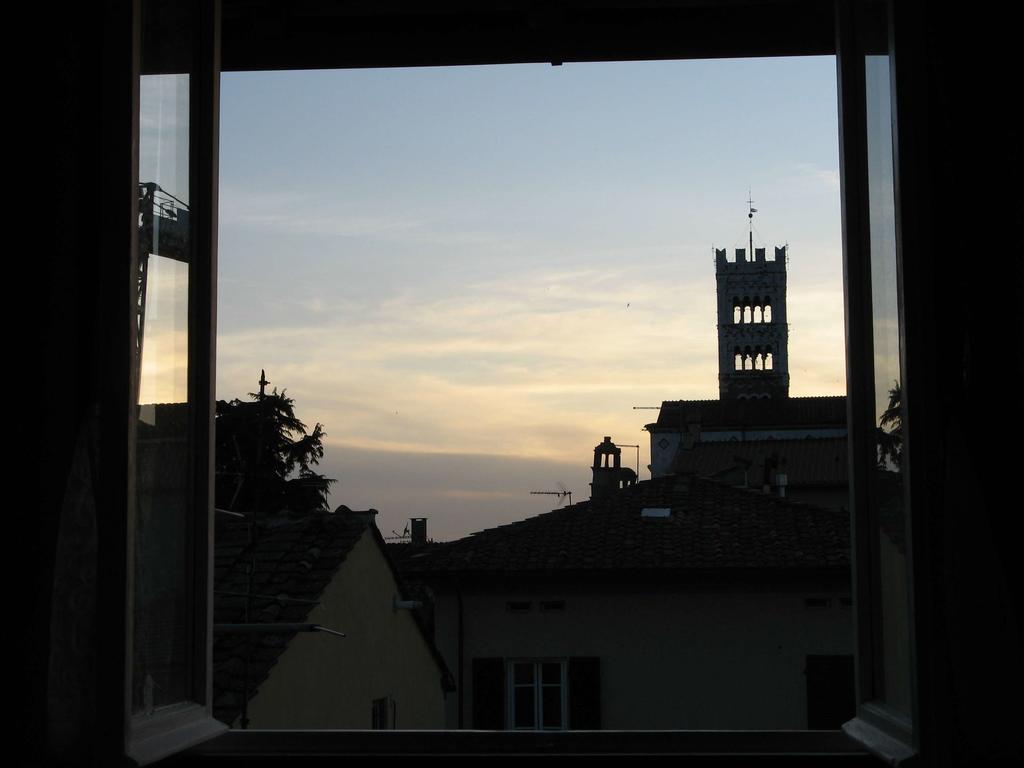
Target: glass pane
x,y
523,674
551,706
163,484
893,684
523,708
551,673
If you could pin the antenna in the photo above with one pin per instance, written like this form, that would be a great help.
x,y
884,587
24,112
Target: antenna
x,y
646,407
396,536
560,494
750,219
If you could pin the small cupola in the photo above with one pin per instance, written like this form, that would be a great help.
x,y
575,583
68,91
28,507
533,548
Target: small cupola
x,y
609,474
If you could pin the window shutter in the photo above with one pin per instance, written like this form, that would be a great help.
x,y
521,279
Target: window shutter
x,y
831,699
585,693
489,694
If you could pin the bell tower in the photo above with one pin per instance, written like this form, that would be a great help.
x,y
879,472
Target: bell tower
x,y
609,474
753,334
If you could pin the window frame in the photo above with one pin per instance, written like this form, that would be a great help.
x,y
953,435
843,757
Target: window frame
x,y
384,714
883,732
537,688
173,728
327,744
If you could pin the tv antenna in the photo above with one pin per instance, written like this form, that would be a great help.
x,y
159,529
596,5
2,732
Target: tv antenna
x,y
396,536
561,494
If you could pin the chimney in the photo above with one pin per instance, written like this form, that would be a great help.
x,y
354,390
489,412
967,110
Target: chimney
x,y
768,466
775,477
691,433
781,481
418,526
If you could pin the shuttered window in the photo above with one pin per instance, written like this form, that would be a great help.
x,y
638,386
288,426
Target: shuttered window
x,y
537,694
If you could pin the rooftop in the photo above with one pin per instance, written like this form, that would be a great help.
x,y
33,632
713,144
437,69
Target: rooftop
x,y
788,412
709,527
294,561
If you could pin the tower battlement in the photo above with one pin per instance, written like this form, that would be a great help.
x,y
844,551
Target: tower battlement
x,y
742,260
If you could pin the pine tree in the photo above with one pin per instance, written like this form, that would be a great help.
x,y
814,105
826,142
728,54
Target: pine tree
x,y
265,457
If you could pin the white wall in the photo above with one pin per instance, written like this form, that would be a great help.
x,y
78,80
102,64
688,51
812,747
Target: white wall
x,y
662,458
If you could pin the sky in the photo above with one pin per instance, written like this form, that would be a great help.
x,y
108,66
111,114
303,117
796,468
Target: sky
x,y
471,275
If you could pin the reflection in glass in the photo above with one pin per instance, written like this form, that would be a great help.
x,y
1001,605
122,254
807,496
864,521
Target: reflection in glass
x,y
888,514
161,606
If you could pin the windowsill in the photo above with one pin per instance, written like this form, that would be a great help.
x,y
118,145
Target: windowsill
x,y
311,744
883,735
170,730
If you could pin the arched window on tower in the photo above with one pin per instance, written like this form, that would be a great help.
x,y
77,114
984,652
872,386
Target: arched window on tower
x,y
746,314
737,311
767,310
759,362
738,361
768,362
748,360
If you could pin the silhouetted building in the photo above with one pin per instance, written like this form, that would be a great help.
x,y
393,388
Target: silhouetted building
x,y
609,474
798,443
753,334
769,433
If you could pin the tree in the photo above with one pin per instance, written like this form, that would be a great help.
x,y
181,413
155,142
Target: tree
x,y
265,457
890,430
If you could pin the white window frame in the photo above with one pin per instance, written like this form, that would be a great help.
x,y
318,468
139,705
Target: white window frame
x,y
537,691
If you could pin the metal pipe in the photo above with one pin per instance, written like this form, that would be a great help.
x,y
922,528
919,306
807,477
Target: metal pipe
x,y
269,628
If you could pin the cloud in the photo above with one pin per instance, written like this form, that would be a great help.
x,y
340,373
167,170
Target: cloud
x,y
815,175
536,367
293,215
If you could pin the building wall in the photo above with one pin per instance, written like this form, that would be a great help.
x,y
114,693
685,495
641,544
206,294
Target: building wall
x,y
665,442
664,446
794,433
668,659
325,681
